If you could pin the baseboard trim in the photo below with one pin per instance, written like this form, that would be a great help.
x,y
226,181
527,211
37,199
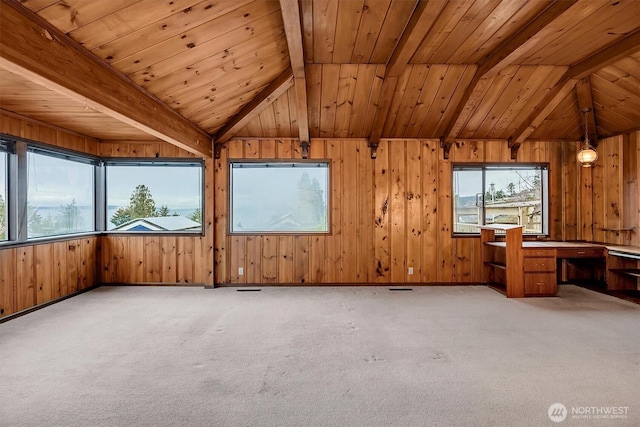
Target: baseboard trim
x,y
159,284
45,304
308,285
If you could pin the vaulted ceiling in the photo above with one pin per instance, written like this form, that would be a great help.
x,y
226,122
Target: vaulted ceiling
x,y
187,71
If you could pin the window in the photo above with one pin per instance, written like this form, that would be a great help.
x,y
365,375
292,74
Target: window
x,y
500,195
4,235
60,193
279,197
154,196
68,193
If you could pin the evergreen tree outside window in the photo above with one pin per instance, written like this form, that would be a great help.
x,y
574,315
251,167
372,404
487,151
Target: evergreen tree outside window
x,y
279,197
154,196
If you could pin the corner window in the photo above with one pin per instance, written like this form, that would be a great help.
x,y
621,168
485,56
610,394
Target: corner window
x,y
152,196
515,195
279,197
60,194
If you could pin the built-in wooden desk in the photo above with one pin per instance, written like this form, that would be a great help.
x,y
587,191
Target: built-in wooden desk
x,y
572,249
529,268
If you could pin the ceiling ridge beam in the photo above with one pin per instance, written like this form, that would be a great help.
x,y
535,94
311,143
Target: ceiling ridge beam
x,y
420,23
293,32
277,87
604,57
33,48
491,64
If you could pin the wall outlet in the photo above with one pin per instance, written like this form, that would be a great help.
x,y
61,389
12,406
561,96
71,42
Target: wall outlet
x,y
240,271
410,271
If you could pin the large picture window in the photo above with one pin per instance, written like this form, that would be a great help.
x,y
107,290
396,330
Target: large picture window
x,y
279,197
515,195
3,195
60,194
154,196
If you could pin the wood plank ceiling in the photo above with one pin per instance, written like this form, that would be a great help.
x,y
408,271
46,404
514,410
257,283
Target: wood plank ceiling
x,y
468,69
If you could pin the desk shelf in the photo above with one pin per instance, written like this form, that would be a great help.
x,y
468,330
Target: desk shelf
x,y
623,268
626,232
522,269
497,265
503,261
633,272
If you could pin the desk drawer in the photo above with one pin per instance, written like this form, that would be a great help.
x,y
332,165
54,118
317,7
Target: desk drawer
x,y
537,252
540,284
579,253
540,265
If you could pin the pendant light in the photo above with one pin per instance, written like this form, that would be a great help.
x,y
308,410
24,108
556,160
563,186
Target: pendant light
x,y
587,155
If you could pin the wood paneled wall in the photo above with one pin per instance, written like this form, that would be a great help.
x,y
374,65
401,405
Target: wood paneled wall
x,y
35,274
614,196
157,259
23,127
387,214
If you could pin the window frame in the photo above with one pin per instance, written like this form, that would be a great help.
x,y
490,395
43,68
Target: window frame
x,y
7,149
231,162
106,162
57,153
17,189
545,184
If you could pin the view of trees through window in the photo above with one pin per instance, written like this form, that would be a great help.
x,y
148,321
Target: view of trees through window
x,y
279,197
60,196
499,195
154,197
3,196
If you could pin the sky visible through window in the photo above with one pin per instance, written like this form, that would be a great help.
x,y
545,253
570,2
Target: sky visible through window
x,y
508,195
279,197
179,188
59,196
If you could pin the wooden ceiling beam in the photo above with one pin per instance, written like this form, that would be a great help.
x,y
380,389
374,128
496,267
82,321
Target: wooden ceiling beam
x,y
491,64
585,105
293,31
624,47
277,87
548,104
422,19
614,52
34,49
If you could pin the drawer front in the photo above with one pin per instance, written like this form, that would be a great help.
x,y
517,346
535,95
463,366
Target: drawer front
x,y
540,284
579,253
540,265
532,252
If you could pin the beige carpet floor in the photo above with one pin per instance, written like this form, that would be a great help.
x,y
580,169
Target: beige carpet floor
x,y
321,356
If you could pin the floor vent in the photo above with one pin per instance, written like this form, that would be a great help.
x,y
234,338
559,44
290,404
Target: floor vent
x,y
248,290
400,289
